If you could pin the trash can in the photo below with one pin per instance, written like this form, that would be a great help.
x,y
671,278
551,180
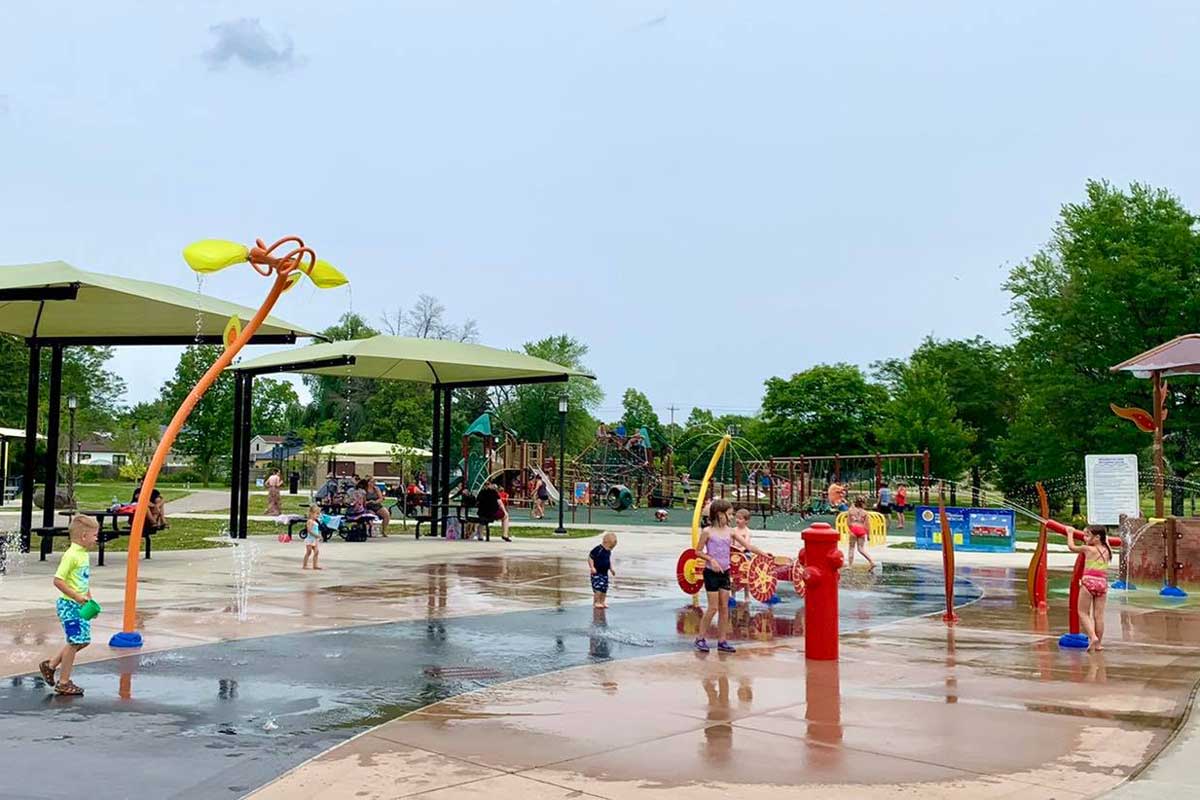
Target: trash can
x,y
294,483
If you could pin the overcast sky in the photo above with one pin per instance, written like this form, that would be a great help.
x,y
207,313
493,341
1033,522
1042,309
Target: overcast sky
x,y
706,193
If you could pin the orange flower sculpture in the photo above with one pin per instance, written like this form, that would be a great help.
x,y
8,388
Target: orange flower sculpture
x,y
289,260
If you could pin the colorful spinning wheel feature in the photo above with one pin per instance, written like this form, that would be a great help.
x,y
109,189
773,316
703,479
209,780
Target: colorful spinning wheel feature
x,y
689,571
798,576
762,577
739,570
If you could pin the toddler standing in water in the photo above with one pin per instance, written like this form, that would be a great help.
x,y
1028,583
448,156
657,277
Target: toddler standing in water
x,y
860,525
715,544
312,542
600,564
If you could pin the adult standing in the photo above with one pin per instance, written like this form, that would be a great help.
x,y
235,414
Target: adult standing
x,y
274,481
540,496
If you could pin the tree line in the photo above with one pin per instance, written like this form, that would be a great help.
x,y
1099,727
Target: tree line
x,y
1118,275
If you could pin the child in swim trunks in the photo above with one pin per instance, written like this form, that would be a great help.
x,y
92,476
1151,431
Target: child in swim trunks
x,y
72,581
742,526
600,564
860,525
1094,583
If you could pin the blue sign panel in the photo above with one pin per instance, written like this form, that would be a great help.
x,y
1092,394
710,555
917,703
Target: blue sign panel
x,y
979,530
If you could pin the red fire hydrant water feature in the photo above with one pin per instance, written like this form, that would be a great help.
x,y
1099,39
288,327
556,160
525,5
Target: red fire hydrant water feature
x,y
822,564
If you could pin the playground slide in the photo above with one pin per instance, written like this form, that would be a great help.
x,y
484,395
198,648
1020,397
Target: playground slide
x,y
549,483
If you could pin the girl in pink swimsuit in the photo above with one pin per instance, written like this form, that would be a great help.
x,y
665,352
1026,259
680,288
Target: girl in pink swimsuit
x,y
1094,597
859,524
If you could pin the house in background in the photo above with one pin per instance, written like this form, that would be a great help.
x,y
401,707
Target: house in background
x,y
265,449
102,450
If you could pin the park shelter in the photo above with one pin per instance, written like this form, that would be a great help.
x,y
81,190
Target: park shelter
x,y
365,458
55,305
1180,356
443,365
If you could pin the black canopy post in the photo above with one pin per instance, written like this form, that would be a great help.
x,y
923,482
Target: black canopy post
x,y
53,423
436,465
447,449
235,465
29,465
244,497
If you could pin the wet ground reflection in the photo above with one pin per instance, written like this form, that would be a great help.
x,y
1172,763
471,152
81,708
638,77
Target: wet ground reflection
x,y
219,720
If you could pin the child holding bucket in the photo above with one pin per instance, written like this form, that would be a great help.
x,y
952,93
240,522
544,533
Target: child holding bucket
x,y
860,525
1093,596
312,542
75,606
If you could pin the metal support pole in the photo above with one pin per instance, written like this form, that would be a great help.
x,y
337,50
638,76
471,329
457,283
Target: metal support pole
x,y
236,465
29,467
447,449
244,497
562,449
436,464
1159,391
53,423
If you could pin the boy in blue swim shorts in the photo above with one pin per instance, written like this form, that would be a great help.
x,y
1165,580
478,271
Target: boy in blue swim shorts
x,y
72,581
600,563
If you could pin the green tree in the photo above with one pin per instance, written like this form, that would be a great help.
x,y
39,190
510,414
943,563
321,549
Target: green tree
x,y
275,408
344,400
208,432
921,415
533,409
1117,278
825,410
982,388
637,412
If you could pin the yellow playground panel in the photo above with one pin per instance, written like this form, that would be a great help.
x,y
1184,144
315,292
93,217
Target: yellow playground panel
x,y
876,528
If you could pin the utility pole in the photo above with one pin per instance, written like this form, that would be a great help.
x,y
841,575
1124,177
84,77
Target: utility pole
x,y
672,409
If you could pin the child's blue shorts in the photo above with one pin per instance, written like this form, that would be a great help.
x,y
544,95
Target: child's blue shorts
x,y
600,584
77,629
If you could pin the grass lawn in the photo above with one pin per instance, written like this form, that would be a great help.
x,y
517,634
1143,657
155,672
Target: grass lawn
x,y
100,495
547,533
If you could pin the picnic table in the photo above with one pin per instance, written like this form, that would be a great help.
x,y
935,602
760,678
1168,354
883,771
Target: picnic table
x,y
114,532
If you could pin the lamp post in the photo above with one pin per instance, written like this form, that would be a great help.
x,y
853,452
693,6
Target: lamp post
x,y
72,404
562,446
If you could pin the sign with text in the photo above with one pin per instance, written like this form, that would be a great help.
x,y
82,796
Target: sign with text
x,y
1112,488
975,530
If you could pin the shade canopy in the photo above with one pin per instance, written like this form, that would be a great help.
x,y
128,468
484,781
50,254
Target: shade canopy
x,y
367,450
15,433
401,358
1180,356
56,301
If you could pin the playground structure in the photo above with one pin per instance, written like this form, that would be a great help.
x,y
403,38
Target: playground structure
x,y
620,472
798,484
495,453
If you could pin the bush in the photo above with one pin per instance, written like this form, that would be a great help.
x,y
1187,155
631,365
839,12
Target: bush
x,y
182,475
88,474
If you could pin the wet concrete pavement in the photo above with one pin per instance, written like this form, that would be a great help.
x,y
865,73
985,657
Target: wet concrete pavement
x,y
515,689
219,720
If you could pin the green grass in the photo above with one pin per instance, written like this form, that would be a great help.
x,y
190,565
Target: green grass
x,y
903,546
101,495
547,533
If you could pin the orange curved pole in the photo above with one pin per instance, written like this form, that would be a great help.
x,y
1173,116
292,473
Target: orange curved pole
x,y
283,269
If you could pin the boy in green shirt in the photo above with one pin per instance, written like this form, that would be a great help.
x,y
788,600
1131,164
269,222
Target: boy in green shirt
x,y
71,580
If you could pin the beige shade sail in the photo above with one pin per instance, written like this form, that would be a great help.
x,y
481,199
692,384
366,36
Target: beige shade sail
x,y
366,450
401,358
108,309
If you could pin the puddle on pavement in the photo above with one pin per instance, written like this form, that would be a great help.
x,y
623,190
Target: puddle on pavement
x,y
261,706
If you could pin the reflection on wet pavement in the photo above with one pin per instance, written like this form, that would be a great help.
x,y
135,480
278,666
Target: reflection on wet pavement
x,y
219,720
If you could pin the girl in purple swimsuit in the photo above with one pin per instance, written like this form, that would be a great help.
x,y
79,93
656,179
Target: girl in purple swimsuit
x,y
714,545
